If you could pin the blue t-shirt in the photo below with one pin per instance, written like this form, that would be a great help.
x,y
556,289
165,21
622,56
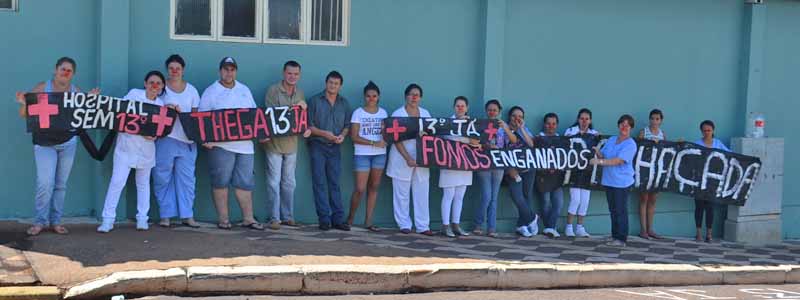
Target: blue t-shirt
x,y
619,176
715,144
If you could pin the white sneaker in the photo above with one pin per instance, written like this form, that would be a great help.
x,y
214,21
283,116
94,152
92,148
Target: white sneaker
x,y
552,233
142,224
106,226
581,232
533,227
568,231
524,231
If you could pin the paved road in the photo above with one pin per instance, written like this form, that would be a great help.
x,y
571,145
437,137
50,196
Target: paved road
x,y
729,292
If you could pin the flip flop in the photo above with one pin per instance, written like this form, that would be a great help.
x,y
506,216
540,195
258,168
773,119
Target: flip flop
x,y
60,229
224,225
254,226
373,228
35,230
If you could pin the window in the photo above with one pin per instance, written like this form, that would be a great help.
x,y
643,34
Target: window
x,y
8,5
314,22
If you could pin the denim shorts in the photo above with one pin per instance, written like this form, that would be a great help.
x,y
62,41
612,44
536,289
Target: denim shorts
x,y
231,169
363,163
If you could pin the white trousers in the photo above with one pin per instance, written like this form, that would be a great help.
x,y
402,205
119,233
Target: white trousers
x,y
402,197
118,178
452,201
578,201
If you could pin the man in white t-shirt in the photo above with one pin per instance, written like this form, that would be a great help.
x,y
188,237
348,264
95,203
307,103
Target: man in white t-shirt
x,y
230,163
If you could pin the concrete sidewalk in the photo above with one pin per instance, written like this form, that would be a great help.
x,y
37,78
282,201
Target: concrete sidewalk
x,y
306,260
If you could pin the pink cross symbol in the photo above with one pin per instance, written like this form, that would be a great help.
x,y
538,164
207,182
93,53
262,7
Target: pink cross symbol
x,y
396,129
43,109
491,131
162,120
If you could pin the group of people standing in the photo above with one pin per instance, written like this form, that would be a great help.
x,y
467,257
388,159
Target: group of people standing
x,y
171,161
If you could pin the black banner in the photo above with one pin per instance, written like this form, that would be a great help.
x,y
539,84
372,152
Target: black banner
x,y
407,128
244,123
677,167
66,111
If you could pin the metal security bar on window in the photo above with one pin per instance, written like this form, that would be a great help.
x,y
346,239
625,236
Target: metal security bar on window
x,y
326,21
193,17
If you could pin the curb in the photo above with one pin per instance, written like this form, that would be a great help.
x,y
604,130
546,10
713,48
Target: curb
x,y
30,293
362,279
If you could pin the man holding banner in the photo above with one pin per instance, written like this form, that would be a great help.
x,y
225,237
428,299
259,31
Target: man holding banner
x,y
329,121
281,152
230,163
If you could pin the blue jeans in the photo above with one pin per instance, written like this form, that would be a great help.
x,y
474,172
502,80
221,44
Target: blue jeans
x,y
326,161
520,201
53,164
280,185
552,202
618,207
489,182
174,179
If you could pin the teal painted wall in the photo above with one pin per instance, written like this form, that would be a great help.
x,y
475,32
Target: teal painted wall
x,y
628,56
613,57
781,98
436,46
33,39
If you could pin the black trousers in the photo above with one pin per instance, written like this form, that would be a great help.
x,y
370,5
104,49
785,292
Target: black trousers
x,y
701,207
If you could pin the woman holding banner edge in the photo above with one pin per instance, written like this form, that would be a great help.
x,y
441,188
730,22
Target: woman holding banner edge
x,y
700,206
134,152
173,174
490,180
54,152
616,158
402,168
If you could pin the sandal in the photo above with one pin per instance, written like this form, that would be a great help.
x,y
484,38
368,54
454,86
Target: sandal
x,y
254,226
655,236
35,230
373,228
190,223
164,222
224,225
60,229
644,236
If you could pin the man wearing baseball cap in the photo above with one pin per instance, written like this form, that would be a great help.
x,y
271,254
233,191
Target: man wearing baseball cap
x,y
230,163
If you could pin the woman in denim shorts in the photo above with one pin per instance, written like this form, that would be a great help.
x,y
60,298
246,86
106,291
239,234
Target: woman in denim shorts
x,y
370,153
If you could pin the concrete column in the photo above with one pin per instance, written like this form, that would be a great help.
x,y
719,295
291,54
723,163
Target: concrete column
x,y
494,48
759,220
754,44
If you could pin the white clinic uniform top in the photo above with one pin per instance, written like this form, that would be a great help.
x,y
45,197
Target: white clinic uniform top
x,y
216,96
133,150
454,178
186,101
397,167
575,130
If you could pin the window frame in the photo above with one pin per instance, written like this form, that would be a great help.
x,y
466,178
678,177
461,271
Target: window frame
x,y
14,7
173,14
217,16
221,23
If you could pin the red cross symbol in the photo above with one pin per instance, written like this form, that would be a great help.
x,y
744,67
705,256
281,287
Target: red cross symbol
x,y
491,131
43,109
162,120
396,129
